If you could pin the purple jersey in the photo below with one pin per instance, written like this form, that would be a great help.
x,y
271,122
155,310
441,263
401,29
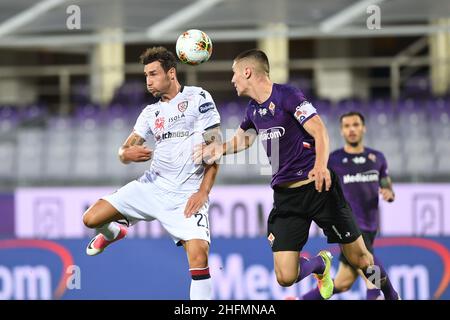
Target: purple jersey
x,y
279,122
360,176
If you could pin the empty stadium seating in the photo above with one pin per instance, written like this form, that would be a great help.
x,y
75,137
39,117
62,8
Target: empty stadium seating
x,y
38,147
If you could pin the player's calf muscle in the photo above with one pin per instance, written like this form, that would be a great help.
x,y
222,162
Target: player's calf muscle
x,y
285,280
197,252
92,221
286,277
360,260
199,260
98,214
343,284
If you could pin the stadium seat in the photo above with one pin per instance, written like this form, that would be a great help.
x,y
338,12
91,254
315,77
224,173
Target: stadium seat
x,y
8,160
58,156
30,154
420,166
443,164
84,147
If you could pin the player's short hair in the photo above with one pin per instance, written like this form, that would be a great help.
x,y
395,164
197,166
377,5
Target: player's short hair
x,y
161,54
257,55
352,113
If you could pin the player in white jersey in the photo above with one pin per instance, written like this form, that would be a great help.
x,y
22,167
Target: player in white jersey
x,y
175,189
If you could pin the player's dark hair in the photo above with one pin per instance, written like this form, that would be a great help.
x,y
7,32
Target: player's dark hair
x,y
257,55
352,113
161,54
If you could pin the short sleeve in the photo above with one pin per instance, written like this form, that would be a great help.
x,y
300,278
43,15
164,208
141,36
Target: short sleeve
x,y
296,104
208,115
142,126
247,123
332,161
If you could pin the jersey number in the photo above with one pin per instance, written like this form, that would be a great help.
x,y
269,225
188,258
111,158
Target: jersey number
x,y
200,217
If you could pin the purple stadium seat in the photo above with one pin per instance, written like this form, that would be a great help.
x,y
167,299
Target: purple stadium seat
x,y
60,124
88,116
323,106
34,115
417,87
80,93
8,112
32,111
9,116
439,115
412,117
131,93
437,106
348,105
324,109
118,116
304,85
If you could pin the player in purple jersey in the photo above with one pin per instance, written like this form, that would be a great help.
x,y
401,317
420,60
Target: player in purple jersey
x,y
296,142
363,175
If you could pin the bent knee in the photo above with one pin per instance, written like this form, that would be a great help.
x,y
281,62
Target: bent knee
x,y
198,256
285,280
362,261
89,220
198,261
342,286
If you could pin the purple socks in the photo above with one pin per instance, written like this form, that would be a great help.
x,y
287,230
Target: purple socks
x,y
313,265
373,294
386,285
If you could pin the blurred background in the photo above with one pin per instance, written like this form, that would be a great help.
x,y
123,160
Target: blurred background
x,y
71,89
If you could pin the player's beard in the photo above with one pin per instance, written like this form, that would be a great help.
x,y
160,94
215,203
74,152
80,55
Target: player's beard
x,y
159,93
355,143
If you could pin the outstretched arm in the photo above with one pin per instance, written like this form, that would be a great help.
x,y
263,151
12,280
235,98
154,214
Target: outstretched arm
x,y
210,153
241,140
198,199
133,150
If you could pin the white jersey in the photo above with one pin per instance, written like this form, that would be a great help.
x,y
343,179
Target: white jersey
x,y
177,126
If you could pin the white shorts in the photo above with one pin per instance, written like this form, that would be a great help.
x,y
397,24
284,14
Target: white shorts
x,y
138,201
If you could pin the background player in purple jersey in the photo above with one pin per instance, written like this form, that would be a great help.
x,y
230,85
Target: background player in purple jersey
x,y
297,145
363,174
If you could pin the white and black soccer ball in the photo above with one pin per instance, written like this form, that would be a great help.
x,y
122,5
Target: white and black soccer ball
x,y
194,47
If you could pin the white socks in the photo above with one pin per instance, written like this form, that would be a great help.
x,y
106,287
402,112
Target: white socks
x,y
201,285
109,230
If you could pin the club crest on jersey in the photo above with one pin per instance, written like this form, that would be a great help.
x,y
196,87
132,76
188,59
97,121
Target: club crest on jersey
x,y
203,94
272,108
159,123
372,157
262,112
156,113
271,239
182,106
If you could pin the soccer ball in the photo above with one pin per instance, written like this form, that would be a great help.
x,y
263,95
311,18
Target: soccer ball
x,y
194,47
